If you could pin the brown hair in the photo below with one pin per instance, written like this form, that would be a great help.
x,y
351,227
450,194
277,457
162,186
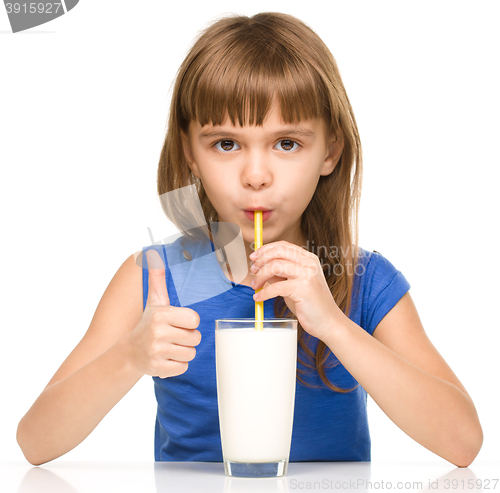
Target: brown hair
x,y
235,68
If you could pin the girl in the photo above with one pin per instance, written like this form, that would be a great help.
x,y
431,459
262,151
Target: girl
x,y
260,120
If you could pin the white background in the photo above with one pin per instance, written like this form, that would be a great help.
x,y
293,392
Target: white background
x,y
83,111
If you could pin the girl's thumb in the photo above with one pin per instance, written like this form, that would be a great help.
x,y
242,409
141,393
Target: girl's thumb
x,y
157,290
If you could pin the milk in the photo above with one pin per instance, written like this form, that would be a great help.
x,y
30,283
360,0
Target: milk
x,y
256,371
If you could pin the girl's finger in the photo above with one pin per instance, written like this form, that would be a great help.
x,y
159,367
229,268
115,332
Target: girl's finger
x,y
282,250
283,288
157,284
277,270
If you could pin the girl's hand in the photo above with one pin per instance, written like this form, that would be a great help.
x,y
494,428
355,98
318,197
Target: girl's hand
x,y
162,343
296,274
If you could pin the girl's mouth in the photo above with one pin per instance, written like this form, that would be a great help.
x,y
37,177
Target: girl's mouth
x,y
265,215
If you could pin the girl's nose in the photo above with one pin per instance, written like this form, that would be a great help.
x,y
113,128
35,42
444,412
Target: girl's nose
x,y
257,173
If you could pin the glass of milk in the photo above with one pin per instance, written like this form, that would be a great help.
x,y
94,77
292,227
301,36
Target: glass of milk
x,y
256,371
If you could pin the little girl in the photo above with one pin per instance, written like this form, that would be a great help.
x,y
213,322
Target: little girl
x,y
260,120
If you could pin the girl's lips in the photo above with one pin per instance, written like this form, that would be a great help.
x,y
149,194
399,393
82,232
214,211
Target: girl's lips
x,y
265,215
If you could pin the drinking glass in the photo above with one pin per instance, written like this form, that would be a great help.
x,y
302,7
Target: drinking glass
x,y
256,378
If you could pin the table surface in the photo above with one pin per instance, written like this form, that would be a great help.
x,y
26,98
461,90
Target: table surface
x,y
205,477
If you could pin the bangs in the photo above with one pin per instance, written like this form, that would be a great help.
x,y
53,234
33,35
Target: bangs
x,y
242,79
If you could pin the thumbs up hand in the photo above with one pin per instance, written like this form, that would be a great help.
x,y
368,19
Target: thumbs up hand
x,y
164,340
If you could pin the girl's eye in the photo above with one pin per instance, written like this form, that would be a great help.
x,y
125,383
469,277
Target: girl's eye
x,y
288,145
226,145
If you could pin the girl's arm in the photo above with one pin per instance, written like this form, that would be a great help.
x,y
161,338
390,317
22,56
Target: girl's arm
x,y
398,366
123,343
92,379
410,381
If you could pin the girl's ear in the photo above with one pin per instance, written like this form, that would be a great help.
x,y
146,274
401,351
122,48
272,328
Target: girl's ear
x,y
188,154
335,150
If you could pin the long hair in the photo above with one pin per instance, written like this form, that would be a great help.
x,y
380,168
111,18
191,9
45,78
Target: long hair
x,y
234,69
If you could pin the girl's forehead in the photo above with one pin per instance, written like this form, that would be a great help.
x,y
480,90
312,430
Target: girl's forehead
x,y
302,129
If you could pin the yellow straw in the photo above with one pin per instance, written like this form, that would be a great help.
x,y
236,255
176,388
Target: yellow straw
x,y
259,305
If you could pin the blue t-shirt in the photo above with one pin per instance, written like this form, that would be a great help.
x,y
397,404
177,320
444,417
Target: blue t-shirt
x,y
327,426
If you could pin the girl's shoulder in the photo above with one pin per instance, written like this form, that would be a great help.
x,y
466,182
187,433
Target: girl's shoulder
x,y
378,286
178,250
373,263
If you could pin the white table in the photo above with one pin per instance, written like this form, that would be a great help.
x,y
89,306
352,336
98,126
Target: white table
x,y
62,476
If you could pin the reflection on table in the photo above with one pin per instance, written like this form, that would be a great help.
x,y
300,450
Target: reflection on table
x,y
187,477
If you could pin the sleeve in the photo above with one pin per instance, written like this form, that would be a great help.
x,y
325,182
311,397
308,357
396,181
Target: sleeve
x,y
386,286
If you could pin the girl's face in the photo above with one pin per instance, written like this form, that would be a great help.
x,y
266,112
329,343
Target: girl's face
x,y
275,168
